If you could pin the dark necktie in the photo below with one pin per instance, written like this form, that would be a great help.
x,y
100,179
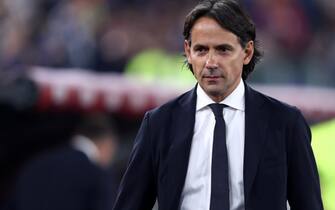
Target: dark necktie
x,y
220,182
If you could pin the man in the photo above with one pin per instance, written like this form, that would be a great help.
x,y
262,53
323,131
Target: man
x,y
178,157
72,177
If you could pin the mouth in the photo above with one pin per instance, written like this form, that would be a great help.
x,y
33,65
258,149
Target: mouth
x,y
212,78
212,75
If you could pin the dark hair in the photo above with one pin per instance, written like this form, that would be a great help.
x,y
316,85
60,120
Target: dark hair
x,y
230,15
95,126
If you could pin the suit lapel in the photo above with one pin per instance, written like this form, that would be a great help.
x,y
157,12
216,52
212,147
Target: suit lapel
x,y
183,118
255,128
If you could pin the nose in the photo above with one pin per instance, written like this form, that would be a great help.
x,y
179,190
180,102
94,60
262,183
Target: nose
x,y
211,61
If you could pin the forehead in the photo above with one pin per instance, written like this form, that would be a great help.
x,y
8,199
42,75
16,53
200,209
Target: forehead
x,y
206,30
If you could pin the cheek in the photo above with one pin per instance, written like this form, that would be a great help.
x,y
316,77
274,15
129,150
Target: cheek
x,y
197,73
236,65
198,66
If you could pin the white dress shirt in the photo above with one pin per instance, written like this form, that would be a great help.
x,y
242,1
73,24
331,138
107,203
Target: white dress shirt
x,y
197,188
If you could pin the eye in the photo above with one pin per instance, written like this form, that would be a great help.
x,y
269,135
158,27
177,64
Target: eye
x,y
224,49
200,50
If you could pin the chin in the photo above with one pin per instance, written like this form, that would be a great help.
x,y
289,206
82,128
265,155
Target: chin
x,y
213,88
214,92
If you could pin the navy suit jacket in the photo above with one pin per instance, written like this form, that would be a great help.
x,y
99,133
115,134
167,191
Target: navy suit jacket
x,y
278,161
63,179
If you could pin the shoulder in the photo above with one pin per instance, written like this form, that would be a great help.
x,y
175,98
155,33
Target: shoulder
x,y
273,106
61,160
283,118
278,115
165,110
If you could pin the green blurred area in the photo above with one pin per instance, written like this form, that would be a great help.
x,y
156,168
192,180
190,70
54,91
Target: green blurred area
x,y
157,65
323,144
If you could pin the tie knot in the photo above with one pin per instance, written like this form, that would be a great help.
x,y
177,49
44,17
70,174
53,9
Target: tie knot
x,y
217,109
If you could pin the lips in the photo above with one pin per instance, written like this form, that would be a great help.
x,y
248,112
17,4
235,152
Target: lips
x,y
212,74
212,77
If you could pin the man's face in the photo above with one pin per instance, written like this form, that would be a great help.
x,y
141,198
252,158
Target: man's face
x,y
217,57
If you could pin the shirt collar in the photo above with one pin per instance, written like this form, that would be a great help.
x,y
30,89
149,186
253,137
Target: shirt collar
x,y
86,146
235,100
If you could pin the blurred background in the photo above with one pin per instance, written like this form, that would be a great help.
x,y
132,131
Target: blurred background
x,y
63,59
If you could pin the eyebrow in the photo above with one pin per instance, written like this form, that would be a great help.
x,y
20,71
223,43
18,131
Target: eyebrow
x,y
199,46
225,46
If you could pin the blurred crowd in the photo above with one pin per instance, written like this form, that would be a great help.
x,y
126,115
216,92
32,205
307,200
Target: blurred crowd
x,y
103,35
90,34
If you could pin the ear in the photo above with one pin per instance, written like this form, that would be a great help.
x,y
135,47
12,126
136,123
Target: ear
x,y
187,49
249,52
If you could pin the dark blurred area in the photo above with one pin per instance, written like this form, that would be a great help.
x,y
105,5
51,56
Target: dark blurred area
x,y
104,36
26,134
73,172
